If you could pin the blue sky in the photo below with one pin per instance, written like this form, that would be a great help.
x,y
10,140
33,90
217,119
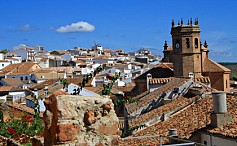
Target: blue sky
x,y
127,24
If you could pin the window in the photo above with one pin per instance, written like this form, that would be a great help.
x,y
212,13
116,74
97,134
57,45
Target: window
x,y
196,42
204,142
187,43
21,78
26,78
2,65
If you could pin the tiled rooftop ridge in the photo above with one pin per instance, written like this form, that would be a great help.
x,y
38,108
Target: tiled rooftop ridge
x,y
157,113
147,99
186,121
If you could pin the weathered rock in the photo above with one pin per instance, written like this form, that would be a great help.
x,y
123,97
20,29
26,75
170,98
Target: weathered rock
x,y
115,142
67,132
64,113
89,117
50,117
98,114
107,107
99,144
111,129
105,113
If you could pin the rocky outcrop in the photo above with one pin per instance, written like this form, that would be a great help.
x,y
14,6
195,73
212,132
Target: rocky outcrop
x,y
78,120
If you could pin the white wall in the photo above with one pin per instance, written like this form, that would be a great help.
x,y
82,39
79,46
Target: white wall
x,y
14,60
95,65
4,64
83,92
17,95
3,98
119,83
111,71
1,56
86,70
67,57
217,141
22,53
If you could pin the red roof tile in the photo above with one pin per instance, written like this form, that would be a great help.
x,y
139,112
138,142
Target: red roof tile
x,y
174,104
145,100
188,120
212,66
159,80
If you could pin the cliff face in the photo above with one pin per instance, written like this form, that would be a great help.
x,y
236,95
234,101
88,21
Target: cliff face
x,y
78,120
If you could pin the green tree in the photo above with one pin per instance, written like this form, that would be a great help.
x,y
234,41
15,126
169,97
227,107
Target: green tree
x,y
5,51
1,115
65,83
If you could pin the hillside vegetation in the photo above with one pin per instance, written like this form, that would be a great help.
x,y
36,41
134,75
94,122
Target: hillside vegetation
x,y
233,67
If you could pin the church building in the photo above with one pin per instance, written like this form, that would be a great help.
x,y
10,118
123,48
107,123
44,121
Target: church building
x,y
190,57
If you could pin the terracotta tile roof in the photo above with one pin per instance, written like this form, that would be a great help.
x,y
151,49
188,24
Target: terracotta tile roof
x,y
41,85
145,100
141,95
126,88
203,79
22,108
159,80
97,90
9,88
107,50
79,80
212,66
80,61
174,104
51,82
19,68
10,67
44,59
48,73
4,61
81,58
66,69
190,119
51,89
166,65
230,129
12,81
43,70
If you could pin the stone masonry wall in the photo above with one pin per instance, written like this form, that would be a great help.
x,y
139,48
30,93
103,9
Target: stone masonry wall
x,y
77,120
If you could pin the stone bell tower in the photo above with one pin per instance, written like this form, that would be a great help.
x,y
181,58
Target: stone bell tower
x,y
187,58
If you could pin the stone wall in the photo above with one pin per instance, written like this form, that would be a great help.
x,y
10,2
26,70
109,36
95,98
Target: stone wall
x,y
77,120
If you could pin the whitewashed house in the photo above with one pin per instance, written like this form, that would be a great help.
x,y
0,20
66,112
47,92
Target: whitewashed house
x,y
12,93
67,57
75,89
4,63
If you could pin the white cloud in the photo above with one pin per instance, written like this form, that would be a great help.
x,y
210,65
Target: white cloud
x,y
76,27
26,27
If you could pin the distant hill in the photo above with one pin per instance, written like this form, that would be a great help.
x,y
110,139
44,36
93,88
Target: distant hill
x,y
232,66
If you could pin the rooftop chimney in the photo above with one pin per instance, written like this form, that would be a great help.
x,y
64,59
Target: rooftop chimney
x,y
173,134
148,77
46,89
219,117
36,94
